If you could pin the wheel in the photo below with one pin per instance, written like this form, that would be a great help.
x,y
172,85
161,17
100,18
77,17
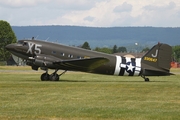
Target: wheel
x,y
146,79
54,77
44,77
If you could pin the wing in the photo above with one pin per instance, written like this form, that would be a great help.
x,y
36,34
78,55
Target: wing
x,y
87,64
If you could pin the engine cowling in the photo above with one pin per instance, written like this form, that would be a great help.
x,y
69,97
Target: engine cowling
x,y
42,61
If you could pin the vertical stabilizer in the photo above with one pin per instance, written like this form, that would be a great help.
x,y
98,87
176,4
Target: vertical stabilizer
x,y
157,60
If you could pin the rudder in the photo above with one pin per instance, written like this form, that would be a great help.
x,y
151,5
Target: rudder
x,y
157,59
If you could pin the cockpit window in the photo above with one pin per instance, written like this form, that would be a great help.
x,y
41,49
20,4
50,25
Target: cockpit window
x,y
20,42
24,43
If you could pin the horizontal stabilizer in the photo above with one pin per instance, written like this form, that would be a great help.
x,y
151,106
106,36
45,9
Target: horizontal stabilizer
x,y
87,64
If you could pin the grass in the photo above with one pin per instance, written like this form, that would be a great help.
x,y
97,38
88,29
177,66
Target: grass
x,y
87,96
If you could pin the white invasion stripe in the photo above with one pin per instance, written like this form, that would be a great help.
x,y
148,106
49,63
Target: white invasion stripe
x,y
128,59
138,69
138,66
138,62
117,67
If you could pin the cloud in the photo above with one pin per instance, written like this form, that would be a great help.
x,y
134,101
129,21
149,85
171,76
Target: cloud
x,y
125,7
160,15
75,4
55,4
21,3
170,6
99,13
89,18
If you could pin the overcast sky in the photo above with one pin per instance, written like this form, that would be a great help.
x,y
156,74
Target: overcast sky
x,y
96,13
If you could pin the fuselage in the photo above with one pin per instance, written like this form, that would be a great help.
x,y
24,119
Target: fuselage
x,y
117,65
47,55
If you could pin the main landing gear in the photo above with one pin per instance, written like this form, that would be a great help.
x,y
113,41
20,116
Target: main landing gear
x,y
53,77
145,79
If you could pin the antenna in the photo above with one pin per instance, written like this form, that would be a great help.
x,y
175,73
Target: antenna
x,y
36,37
47,39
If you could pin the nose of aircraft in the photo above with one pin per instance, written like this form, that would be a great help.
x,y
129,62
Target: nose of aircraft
x,y
9,47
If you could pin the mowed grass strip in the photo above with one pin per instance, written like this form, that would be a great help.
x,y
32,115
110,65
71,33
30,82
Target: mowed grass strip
x,y
88,96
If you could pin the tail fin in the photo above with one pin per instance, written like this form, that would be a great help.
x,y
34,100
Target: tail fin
x,y
157,60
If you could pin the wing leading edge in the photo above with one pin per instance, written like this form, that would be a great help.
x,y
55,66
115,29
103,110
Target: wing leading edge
x,y
87,64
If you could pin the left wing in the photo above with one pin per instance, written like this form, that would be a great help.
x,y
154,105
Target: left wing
x,y
87,64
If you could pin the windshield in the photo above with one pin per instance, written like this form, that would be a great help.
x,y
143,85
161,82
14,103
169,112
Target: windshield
x,y
24,43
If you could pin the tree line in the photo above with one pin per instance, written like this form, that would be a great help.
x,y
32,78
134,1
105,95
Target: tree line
x,y
115,49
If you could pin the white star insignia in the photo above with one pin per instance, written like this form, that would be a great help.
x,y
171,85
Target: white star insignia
x,y
130,67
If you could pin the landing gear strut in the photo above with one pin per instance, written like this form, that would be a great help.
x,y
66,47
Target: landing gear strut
x,y
145,79
53,77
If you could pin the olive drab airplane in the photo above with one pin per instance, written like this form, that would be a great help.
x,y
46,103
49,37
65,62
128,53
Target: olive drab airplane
x,y
47,55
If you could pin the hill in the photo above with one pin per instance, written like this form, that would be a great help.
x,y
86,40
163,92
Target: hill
x,y
101,36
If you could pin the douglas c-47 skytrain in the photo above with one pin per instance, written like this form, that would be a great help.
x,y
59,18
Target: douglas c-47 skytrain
x,y
46,55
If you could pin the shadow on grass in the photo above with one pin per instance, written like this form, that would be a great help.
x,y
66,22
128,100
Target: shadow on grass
x,y
102,81
83,81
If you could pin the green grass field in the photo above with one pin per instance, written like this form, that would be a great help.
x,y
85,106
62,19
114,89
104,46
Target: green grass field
x,y
87,96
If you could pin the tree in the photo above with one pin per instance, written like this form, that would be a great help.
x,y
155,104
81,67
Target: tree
x,y
7,36
176,52
122,49
145,49
114,50
104,50
86,46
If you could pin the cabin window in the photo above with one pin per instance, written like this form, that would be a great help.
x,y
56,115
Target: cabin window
x,y
62,54
20,42
79,57
70,56
53,52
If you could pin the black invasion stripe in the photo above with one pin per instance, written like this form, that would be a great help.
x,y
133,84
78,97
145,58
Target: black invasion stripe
x,y
121,73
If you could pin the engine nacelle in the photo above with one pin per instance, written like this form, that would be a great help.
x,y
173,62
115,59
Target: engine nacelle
x,y
42,61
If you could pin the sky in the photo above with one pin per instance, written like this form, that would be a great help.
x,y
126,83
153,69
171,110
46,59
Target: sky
x,y
93,13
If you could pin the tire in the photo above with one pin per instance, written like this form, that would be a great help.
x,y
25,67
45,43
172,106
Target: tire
x,y
54,77
146,79
44,77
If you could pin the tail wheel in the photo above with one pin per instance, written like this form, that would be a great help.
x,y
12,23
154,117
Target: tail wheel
x,y
146,79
